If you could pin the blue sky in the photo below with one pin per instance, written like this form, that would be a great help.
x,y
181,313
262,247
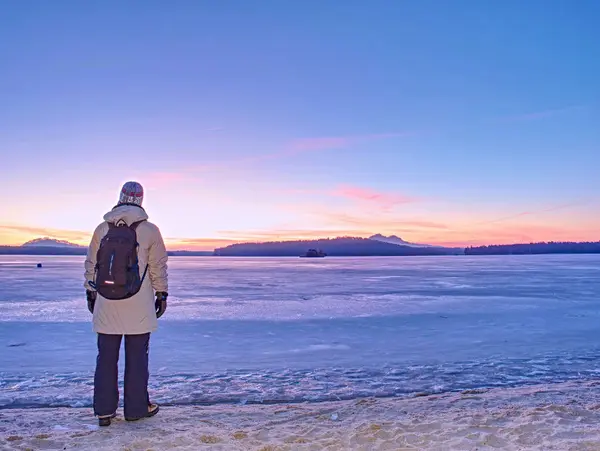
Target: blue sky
x,y
247,120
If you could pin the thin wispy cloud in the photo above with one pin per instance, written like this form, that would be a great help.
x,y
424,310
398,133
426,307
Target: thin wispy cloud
x,y
316,144
521,233
382,199
300,146
542,114
289,234
526,229
503,234
533,212
426,224
313,144
304,145
197,243
369,223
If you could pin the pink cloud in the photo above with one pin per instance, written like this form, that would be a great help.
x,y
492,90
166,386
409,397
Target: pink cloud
x,y
163,179
380,224
335,142
313,144
383,199
506,218
364,196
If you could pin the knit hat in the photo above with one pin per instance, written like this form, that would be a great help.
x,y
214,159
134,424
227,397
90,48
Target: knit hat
x,y
132,193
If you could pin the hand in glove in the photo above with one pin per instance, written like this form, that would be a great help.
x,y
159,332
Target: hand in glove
x,y
91,299
161,303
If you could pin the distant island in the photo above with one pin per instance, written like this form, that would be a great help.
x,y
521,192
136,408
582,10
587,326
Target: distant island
x,y
51,242
376,245
45,250
536,248
393,239
50,246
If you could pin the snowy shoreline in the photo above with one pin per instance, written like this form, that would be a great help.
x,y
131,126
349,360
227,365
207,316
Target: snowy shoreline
x,y
563,416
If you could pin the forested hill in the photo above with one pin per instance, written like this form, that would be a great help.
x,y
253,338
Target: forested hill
x,y
536,248
340,247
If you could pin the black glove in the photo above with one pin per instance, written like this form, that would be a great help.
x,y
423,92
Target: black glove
x,y
161,303
91,299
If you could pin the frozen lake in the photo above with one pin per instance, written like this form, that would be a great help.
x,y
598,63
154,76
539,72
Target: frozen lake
x,y
290,329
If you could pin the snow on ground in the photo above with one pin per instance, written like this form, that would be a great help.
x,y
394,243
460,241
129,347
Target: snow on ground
x,y
541,417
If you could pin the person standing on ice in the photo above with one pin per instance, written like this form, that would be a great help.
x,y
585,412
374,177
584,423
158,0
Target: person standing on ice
x,y
127,288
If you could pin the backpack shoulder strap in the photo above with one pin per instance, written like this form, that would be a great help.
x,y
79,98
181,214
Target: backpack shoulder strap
x,y
135,225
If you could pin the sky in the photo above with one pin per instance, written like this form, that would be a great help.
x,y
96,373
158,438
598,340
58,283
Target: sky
x,y
454,123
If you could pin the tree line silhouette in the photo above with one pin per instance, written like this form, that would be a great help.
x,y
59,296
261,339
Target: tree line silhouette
x,y
551,247
337,247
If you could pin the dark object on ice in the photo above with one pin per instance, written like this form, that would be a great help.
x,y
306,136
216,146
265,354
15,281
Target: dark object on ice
x,y
39,265
314,253
16,345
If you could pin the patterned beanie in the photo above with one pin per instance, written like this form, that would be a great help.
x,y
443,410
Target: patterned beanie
x,y
132,193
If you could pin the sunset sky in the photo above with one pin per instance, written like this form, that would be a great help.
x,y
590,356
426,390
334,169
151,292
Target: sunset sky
x,y
443,122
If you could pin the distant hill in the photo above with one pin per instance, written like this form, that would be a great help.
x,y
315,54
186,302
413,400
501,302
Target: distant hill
x,y
42,250
190,253
80,250
50,242
51,246
45,246
536,248
344,246
393,239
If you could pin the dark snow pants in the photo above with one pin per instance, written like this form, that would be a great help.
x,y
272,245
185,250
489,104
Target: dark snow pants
x,y
106,389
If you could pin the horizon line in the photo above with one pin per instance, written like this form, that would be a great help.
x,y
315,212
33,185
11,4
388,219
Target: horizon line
x,y
450,245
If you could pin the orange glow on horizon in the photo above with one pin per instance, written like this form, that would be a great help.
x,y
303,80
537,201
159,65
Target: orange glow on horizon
x,y
501,234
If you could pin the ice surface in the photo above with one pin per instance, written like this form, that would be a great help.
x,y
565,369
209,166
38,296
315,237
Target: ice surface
x,y
289,330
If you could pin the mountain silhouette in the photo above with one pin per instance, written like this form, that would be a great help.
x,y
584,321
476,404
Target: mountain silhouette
x,y
50,242
393,239
336,247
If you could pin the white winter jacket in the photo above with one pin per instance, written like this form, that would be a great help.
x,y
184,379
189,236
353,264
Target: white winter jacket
x,y
135,315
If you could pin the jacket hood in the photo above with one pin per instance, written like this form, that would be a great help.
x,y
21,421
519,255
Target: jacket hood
x,y
127,213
